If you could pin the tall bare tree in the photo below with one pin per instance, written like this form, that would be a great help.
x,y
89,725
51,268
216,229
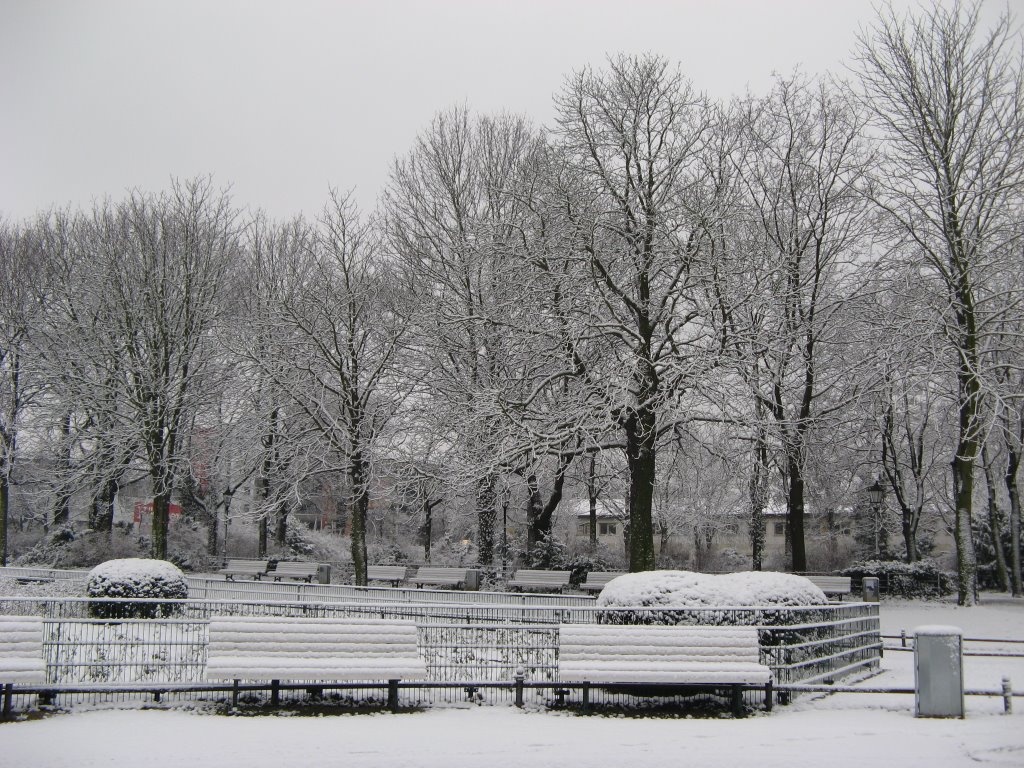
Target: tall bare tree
x,y
947,99
631,136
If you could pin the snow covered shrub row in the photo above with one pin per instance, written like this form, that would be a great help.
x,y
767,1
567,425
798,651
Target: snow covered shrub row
x,y
898,579
684,597
135,577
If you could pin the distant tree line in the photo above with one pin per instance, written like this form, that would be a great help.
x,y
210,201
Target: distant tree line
x,y
797,293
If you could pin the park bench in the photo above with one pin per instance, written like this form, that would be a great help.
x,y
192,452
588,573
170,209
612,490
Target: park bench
x,y
550,580
314,651
832,585
21,655
298,571
255,568
395,574
456,578
596,580
660,660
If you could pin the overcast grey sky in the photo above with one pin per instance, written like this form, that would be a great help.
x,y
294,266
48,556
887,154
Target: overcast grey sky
x,y
281,100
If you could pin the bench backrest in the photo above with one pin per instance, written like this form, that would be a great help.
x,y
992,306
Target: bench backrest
x,y
836,585
295,569
445,575
285,648
386,572
247,566
657,654
600,578
542,578
21,650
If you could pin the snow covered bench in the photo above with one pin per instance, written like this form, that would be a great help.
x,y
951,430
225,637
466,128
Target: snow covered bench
x,y
313,650
21,654
832,585
295,570
663,659
550,580
456,578
395,574
596,580
255,568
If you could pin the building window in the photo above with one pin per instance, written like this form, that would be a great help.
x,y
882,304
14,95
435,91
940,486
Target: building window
x,y
607,529
583,529
780,529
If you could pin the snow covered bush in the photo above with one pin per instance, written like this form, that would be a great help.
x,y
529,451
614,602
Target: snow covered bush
x,y
135,577
684,597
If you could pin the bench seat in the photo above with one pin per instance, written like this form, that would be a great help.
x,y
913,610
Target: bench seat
x,y
597,580
255,568
534,579
321,649
674,656
832,585
299,571
457,578
395,574
21,650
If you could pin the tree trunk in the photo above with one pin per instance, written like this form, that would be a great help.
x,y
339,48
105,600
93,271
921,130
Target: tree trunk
x,y
360,506
161,522
428,525
592,494
262,537
487,515
1010,479
758,493
995,523
640,459
4,507
795,513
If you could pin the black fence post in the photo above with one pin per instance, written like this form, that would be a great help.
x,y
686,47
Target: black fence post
x,y
393,695
520,677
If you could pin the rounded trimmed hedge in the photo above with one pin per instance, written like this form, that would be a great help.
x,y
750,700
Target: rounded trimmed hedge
x,y
135,577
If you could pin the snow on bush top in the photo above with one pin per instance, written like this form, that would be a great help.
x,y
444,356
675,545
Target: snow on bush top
x,y
685,589
136,577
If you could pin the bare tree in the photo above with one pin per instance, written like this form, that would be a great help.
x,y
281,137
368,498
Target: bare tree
x,y
802,170
947,99
340,337
167,259
21,304
631,136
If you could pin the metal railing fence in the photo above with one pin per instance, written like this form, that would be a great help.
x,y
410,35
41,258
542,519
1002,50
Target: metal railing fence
x,y
462,645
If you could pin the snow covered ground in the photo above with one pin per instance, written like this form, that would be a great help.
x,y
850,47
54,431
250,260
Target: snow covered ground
x,y
856,730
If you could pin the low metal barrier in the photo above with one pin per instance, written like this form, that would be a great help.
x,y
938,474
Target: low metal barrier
x,y
470,650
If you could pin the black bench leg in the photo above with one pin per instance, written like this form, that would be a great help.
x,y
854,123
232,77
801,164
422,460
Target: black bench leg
x,y
586,698
275,692
234,694
768,696
393,695
737,701
8,695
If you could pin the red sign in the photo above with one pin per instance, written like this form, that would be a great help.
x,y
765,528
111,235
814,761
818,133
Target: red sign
x,y
146,508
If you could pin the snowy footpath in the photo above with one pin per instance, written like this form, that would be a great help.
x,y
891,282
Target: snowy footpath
x,y
856,730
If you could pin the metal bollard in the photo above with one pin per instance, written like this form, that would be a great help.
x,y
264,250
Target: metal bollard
x,y
1007,696
520,678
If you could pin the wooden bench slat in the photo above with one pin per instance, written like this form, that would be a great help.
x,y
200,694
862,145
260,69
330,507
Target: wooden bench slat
x,y
21,650
597,580
321,649
438,576
644,654
539,579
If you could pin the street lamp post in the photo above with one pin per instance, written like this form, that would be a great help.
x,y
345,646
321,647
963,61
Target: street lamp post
x,y
875,495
